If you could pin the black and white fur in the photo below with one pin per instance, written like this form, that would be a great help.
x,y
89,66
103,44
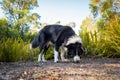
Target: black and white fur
x,y
63,38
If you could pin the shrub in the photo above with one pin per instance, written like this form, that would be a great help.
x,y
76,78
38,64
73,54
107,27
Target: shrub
x,y
49,55
15,50
102,42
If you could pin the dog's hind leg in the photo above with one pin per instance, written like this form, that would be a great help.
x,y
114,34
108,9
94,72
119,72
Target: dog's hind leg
x,y
40,54
44,53
39,57
43,58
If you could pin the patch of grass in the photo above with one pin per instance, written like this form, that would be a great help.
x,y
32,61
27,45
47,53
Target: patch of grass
x,y
15,50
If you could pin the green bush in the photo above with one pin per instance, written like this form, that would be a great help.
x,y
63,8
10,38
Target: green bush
x,y
102,42
15,50
49,55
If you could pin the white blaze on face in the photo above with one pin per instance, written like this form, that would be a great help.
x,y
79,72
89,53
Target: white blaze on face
x,y
76,58
74,39
30,46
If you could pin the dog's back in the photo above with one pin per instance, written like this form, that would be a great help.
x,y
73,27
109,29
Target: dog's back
x,y
55,32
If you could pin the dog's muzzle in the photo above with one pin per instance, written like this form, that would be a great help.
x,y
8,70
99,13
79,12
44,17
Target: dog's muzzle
x,y
76,58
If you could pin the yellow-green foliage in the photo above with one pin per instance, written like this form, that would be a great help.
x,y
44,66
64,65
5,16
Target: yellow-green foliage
x,y
49,54
113,37
15,50
102,42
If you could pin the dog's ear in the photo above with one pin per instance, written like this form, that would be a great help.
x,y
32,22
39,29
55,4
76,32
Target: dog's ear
x,y
66,46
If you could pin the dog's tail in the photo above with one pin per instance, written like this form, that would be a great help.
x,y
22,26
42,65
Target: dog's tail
x,y
35,42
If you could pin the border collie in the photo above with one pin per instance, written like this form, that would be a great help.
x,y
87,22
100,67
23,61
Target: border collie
x,y
63,38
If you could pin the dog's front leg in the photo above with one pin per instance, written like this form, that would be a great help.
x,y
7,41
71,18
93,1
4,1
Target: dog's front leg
x,y
62,55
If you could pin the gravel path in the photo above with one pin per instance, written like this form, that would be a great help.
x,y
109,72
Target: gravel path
x,y
87,69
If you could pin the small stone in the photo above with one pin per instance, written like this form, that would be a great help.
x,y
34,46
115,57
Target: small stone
x,y
21,79
25,72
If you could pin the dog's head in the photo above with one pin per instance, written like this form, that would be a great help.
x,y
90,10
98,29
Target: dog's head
x,y
74,48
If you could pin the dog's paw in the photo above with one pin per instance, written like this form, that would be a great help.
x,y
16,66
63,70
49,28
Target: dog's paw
x,y
56,60
65,60
44,60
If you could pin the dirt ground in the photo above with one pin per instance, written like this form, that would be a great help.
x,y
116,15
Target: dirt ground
x,y
87,69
